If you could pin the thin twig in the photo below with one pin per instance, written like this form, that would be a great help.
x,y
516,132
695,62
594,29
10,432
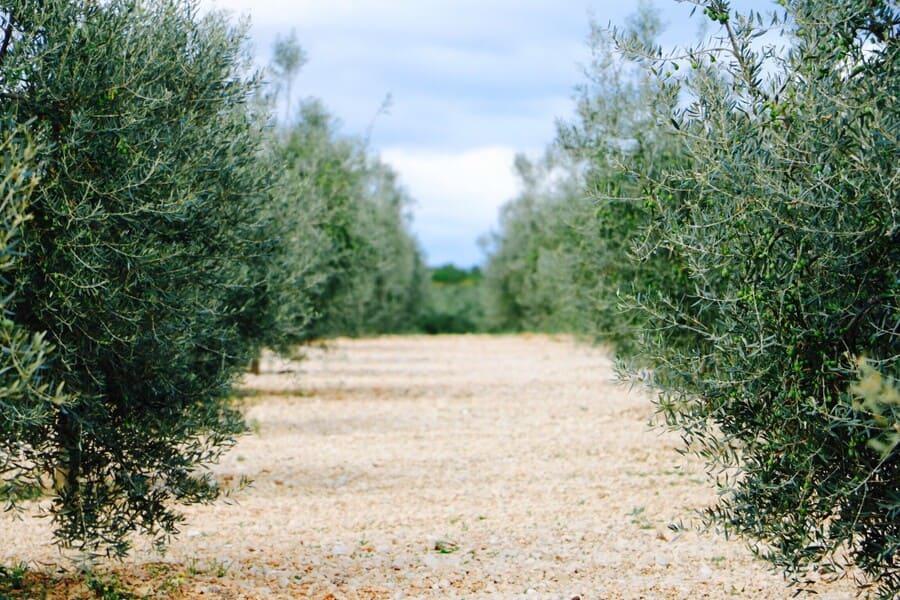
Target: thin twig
x,y
737,50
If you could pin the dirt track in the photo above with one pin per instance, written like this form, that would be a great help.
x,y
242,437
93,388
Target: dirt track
x,y
446,467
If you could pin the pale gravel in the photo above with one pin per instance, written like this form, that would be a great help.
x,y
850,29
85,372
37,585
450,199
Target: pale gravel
x,y
518,456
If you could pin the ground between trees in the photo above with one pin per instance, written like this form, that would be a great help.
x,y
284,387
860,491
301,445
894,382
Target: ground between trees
x,y
443,467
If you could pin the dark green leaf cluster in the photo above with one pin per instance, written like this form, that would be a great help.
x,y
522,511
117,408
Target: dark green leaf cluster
x,y
454,301
141,260
450,274
28,396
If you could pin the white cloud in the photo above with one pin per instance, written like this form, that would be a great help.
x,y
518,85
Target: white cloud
x,y
472,82
456,19
457,194
495,59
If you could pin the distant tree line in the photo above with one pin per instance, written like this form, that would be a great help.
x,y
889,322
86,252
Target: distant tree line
x,y
727,217
454,302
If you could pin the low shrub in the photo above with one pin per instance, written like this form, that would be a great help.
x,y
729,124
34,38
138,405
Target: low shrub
x,y
453,301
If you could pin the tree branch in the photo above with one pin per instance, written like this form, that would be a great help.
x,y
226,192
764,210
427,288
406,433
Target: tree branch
x,y
738,51
7,36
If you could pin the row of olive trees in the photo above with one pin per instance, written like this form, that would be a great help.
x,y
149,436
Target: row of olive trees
x,y
156,235
352,266
563,259
744,228
356,267
534,278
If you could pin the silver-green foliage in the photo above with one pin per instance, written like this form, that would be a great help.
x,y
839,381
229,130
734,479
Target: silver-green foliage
x,y
616,139
143,260
786,217
532,277
396,280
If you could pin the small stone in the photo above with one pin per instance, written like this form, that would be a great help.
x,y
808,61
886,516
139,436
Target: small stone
x,y
211,589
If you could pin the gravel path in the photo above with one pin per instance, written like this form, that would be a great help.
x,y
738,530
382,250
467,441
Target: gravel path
x,y
445,467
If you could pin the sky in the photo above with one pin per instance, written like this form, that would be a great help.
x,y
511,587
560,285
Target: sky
x,y
471,84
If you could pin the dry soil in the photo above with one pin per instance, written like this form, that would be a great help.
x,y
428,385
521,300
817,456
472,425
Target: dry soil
x,y
443,467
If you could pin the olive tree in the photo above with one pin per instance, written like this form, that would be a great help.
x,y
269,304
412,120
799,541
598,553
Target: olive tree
x,y
144,260
287,61
786,217
396,276
616,139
